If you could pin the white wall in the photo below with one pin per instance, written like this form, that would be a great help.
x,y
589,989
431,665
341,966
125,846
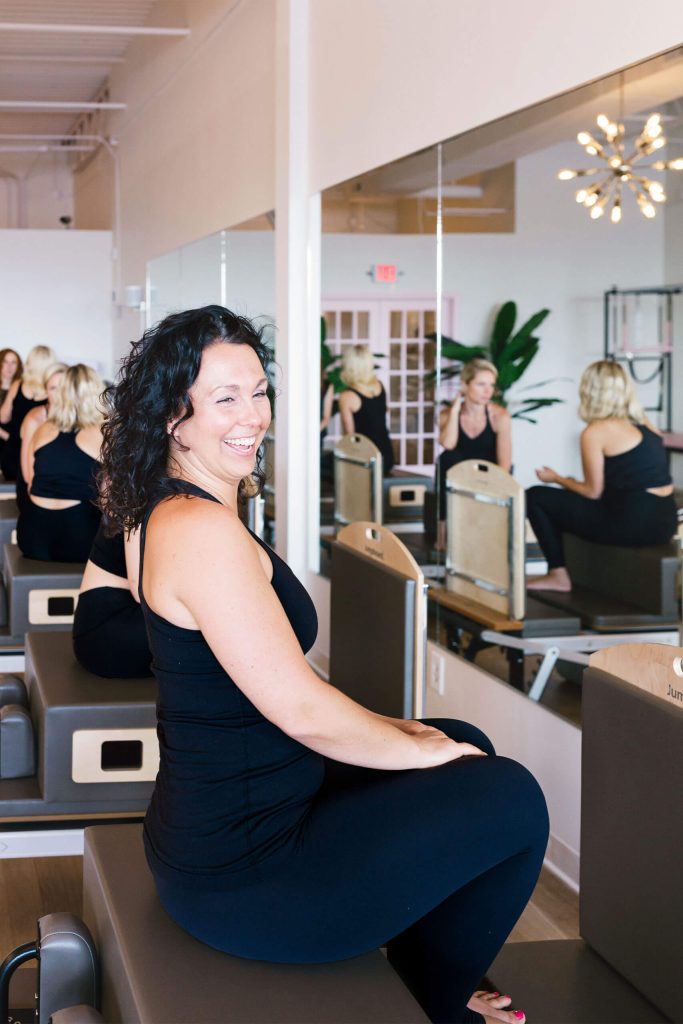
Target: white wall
x,y
557,258
389,77
37,201
55,289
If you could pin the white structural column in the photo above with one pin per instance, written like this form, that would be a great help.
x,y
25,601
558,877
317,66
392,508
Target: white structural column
x,y
296,350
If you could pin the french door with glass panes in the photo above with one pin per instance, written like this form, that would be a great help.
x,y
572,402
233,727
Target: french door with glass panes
x,y
395,330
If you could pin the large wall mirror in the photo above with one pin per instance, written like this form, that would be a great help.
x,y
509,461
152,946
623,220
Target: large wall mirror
x,y
234,268
542,253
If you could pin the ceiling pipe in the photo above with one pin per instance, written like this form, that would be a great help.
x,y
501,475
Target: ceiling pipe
x,y
31,137
100,30
46,149
44,58
50,105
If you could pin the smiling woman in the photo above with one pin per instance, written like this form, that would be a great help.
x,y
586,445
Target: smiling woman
x,y
263,766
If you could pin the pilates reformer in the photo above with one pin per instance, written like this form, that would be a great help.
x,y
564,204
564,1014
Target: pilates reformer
x,y
37,595
71,744
363,494
485,597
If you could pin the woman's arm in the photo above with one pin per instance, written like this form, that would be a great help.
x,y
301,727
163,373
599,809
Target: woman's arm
x,y
503,428
593,460
131,548
328,404
234,605
449,425
30,424
6,407
348,404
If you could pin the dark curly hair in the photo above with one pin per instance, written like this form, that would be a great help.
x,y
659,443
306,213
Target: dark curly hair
x,y
153,389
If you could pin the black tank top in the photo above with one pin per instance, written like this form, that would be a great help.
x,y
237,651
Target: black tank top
x,y
641,467
63,470
233,790
10,455
371,421
482,447
109,553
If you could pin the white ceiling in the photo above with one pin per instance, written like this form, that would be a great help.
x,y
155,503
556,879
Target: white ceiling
x,y
57,66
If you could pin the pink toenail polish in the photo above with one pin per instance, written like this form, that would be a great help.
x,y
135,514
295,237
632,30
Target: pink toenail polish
x,y
519,1015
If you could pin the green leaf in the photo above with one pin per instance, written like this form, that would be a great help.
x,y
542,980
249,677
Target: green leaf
x,y
533,322
503,327
323,330
451,349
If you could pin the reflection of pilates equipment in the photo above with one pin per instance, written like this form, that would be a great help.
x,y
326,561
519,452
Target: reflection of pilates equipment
x,y
363,494
40,595
146,960
357,480
485,597
377,621
72,743
9,514
66,976
626,968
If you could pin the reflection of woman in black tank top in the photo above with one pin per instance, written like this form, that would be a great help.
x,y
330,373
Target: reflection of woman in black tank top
x,y
363,407
626,495
472,428
59,521
282,825
23,395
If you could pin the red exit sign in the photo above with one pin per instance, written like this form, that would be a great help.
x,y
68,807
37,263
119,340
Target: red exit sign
x,y
385,273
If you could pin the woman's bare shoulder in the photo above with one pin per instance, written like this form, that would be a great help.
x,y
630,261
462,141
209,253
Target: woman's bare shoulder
x,y
45,433
498,414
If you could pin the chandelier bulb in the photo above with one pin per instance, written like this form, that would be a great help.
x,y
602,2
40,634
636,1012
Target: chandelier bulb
x,y
602,121
674,165
591,199
566,174
615,215
597,211
581,195
583,138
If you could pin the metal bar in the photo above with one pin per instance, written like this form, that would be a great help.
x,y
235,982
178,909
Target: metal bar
x,y
543,673
582,642
493,588
476,496
15,137
366,464
58,105
94,30
18,956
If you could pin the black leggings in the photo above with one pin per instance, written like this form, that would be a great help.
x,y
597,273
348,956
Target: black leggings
x,y
109,635
627,518
436,863
57,535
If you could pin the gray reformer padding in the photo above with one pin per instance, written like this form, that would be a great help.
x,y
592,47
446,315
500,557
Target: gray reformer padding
x,y
152,971
95,738
12,690
626,970
40,595
17,747
619,588
404,496
68,971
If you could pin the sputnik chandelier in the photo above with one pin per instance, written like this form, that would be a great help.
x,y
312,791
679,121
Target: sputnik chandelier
x,y
620,171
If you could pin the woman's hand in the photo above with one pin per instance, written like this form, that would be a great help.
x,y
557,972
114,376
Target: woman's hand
x,y
437,748
547,475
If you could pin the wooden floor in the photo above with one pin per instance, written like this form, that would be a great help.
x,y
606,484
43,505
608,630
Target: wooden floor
x,y
31,888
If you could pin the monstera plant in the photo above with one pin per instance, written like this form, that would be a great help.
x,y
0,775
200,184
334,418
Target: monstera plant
x,y
511,352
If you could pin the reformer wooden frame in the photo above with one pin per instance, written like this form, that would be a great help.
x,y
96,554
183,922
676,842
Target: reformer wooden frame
x,y
655,668
485,560
357,480
378,543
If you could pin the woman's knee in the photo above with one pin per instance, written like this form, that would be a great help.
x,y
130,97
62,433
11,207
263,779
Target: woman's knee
x,y
463,732
518,786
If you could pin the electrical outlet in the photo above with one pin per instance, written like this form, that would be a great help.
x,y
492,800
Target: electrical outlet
x,y
436,672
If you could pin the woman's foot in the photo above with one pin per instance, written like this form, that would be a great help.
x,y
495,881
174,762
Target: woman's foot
x,y
555,579
494,1007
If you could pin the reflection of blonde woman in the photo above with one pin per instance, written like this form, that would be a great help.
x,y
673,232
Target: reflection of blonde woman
x,y
61,520
23,395
34,419
363,406
473,427
626,495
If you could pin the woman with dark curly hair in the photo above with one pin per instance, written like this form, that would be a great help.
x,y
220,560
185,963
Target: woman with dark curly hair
x,y
286,823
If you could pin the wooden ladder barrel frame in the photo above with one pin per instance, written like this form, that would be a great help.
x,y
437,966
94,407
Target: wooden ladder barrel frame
x,y
357,464
486,512
381,545
655,668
